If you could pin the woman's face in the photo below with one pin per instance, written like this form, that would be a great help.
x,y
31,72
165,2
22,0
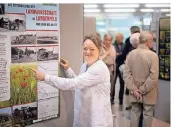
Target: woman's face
x,y
90,52
108,40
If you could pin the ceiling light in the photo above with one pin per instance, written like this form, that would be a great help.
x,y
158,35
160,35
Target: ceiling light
x,y
119,10
113,29
119,15
90,6
100,23
146,10
157,5
120,5
93,15
165,10
117,18
91,10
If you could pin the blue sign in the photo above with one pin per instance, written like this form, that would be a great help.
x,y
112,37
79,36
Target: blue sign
x,y
36,16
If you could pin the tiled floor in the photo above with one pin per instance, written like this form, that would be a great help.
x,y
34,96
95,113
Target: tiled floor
x,y
122,118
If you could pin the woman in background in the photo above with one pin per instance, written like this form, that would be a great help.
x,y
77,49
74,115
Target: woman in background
x,y
108,55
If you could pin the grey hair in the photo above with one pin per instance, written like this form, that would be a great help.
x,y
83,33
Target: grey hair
x,y
118,34
134,40
144,36
108,34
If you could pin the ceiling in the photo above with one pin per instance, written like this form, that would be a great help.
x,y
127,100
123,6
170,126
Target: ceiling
x,y
126,9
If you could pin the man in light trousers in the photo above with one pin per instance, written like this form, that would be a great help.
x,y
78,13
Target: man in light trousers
x,y
141,77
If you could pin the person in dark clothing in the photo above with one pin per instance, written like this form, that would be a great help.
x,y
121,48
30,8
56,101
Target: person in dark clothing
x,y
122,57
128,48
119,46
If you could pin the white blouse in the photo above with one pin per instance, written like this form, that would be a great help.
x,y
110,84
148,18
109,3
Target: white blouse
x,y
92,106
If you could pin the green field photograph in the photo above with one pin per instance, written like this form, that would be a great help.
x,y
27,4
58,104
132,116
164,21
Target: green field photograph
x,y
23,83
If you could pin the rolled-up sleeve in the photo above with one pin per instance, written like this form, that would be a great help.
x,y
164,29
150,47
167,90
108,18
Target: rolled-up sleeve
x,y
91,77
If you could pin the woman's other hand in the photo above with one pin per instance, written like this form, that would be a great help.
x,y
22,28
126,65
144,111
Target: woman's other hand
x,y
64,63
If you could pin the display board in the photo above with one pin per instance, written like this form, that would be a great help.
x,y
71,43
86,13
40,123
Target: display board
x,y
29,38
164,48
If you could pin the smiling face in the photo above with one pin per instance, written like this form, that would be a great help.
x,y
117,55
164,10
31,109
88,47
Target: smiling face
x,y
90,51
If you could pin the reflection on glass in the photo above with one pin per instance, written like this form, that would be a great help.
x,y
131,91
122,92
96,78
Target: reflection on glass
x,y
166,76
162,36
167,52
161,69
167,40
164,48
161,75
167,46
162,63
167,70
162,51
162,45
167,34
167,61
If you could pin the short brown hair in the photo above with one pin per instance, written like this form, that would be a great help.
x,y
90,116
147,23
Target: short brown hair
x,y
94,39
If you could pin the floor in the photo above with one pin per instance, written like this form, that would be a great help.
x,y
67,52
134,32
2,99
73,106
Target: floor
x,y
122,118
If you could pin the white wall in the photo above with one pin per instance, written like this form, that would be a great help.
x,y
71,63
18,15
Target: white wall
x,y
89,25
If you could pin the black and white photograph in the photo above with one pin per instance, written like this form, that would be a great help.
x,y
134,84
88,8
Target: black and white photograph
x,y
12,23
5,117
47,37
23,54
2,9
46,53
24,38
26,113
8,120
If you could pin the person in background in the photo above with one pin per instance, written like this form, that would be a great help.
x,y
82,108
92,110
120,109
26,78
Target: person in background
x,y
99,37
108,55
119,46
92,106
143,86
154,42
134,40
128,47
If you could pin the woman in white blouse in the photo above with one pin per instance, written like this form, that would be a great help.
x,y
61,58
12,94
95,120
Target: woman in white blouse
x,y
92,87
